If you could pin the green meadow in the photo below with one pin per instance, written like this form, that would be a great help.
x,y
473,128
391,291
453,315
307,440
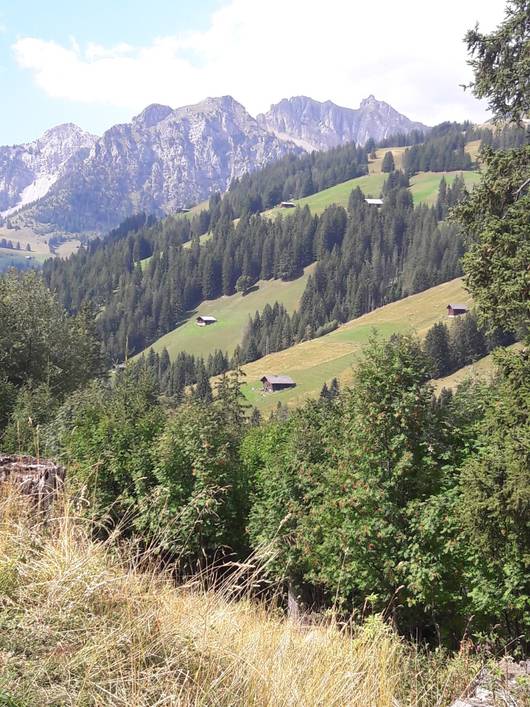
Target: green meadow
x,y
313,363
232,315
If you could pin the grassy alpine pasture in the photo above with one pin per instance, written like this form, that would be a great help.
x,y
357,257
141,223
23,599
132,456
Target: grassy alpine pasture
x,y
370,184
424,189
17,259
313,363
374,165
232,315
424,185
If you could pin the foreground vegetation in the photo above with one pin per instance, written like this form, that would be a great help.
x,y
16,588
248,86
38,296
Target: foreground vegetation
x,y
381,495
86,622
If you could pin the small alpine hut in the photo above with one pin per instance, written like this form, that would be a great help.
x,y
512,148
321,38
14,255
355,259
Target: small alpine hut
x,y
204,320
287,205
455,310
271,384
374,202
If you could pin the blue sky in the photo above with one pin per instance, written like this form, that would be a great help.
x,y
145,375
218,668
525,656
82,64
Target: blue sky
x,y
28,110
101,62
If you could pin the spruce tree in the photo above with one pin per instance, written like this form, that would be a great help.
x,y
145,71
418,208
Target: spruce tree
x,y
438,350
388,164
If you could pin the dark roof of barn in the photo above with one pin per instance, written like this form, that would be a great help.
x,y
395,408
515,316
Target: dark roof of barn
x,y
285,380
206,318
458,306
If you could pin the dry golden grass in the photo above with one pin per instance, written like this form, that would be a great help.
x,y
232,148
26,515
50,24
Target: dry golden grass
x,y
81,624
374,166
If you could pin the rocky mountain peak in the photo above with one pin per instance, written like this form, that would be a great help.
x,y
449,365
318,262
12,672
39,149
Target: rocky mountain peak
x,y
163,160
152,115
316,125
370,101
29,170
167,158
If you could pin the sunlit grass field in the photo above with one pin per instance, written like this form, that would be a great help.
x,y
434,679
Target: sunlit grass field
x,y
312,363
232,315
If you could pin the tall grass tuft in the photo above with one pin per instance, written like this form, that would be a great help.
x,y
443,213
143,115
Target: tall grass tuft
x,y
82,623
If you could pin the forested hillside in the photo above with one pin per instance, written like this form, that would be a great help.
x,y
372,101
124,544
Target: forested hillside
x,y
375,256
366,257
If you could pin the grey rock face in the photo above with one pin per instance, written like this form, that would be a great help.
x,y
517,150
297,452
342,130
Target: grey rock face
x,y
320,126
28,171
164,159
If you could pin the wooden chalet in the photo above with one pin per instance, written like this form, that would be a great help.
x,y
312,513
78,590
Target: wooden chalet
x,y
455,310
204,320
287,205
271,384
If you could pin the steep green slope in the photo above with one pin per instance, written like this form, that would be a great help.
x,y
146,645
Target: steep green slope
x,y
424,189
424,185
312,363
232,315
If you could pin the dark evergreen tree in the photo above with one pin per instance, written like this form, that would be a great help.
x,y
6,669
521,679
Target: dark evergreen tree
x,y
388,164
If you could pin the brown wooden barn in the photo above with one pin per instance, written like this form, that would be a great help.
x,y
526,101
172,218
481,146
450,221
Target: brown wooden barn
x,y
204,320
287,205
455,310
271,384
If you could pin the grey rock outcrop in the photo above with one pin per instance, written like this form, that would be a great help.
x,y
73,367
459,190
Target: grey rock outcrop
x,y
319,126
166,159
28,171
163,160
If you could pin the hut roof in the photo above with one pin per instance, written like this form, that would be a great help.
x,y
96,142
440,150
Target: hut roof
x,y
377,202
285,380
206,318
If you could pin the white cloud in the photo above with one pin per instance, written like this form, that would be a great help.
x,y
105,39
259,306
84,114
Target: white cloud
x,y
410,54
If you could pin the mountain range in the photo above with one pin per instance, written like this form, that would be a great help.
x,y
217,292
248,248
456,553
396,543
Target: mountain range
x,y
320,126
69,181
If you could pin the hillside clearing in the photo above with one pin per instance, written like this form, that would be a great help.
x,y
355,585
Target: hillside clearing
x,y
11,258
312,363
232,315
374,166
424,185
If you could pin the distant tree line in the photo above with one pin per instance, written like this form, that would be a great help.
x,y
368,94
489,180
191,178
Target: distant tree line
x,y
442,151
9,245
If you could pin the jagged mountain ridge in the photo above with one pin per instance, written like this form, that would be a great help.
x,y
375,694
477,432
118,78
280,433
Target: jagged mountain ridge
x,y
167,158
320,126
27,171
164,159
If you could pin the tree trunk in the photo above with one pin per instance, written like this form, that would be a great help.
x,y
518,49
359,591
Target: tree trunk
x,y
41,479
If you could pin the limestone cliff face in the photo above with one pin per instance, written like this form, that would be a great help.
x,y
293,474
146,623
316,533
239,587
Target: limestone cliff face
x,y
319,126
28,171
164,159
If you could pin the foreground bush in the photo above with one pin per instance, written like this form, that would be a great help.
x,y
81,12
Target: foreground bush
x,y
81,623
